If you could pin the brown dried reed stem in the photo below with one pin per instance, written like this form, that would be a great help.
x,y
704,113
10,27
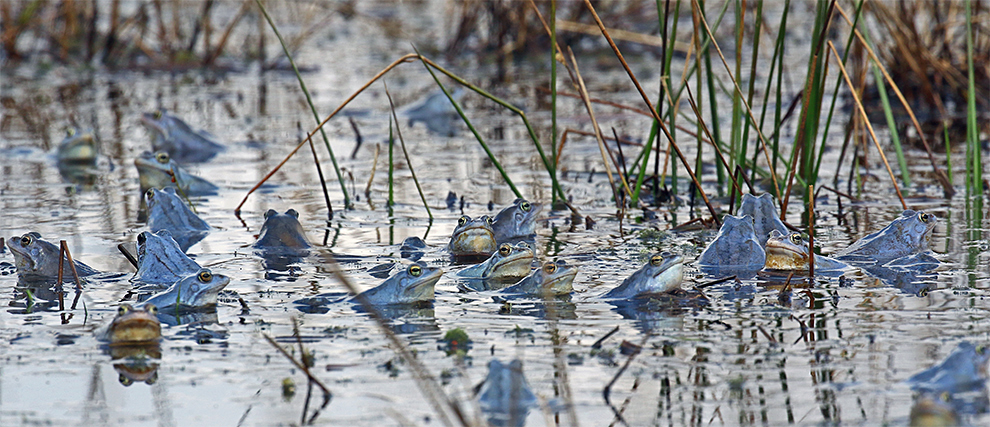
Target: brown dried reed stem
x,y
869,127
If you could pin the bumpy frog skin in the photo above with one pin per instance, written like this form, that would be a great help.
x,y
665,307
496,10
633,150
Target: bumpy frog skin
x,y
764,214
553,279
35,257
78,148
194,292
173,136
507,263
158,170
963,370
133,326
662,273
735,245
790,252
472,238
161,260
909,234
167,211
282,234
416,283
505,395
516,222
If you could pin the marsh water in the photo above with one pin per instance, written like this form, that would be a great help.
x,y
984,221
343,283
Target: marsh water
x,y
837,354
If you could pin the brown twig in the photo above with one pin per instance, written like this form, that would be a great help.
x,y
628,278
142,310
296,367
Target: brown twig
x,y
811,233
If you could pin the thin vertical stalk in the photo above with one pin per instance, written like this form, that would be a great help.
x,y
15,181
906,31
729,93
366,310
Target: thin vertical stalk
x,y
309,100
405,153
972,140
553,94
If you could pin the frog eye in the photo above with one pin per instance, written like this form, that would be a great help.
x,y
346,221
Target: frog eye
x,y
796,238
926,217
945,396
162,157
292,213
488,219
981,349
463,220
270,213
150,194
150,308
656,260
415,270
205,276
126,382
70,132
525,206
505,249
26,240
122,310
158,114
549,268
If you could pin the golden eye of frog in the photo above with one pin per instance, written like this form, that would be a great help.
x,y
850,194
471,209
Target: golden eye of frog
x,y
472,237
507,263
663,272
416,283
910,233
790,252
132,325
516,222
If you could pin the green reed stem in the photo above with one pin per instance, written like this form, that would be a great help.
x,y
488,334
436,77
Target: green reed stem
x,y
778,51
391,166
948,148
975,172
405,153
891,124
309,100
553,96
758,26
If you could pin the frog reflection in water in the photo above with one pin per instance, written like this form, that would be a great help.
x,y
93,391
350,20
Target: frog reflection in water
x,y
173,136
662,273
508,263
736,245
909,234
764,214
553,279
166,211
37,258
132,326
160,260
194,292
505,396
790,252
472,238
516,222
158,170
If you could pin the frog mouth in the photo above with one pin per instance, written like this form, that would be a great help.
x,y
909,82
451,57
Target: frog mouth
x,y
784,257
515,260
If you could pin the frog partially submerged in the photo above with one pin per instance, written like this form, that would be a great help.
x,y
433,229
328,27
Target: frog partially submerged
x,y
662,273
167,211
173,136
158,170
508,263
516,222
161,260
38,258
553,279
132,326
909,234
963,370
735,246
472,239
505,396
790,252
78,148
282,234
194,292
933,410
764,214
416,283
